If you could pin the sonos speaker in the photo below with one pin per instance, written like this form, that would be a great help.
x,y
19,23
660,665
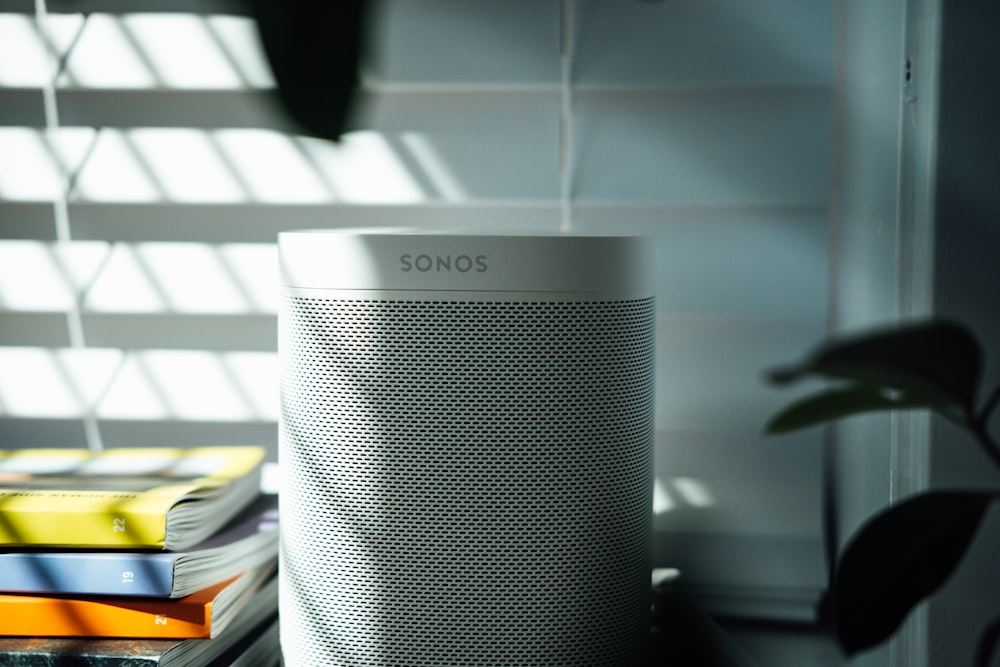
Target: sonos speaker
x,y
465,449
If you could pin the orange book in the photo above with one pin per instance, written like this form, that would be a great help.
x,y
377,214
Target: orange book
x,y
200,615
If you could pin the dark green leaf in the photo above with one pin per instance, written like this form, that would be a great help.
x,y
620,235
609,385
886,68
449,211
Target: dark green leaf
x,y
898,558
836,403
314,49
938,360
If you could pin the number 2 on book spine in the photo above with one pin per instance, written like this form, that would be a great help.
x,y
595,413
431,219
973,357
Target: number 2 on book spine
x,y
119,525
160,620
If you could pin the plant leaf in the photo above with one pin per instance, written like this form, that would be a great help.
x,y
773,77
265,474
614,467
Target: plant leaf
x,y
899,558
836,403
939,360
314,50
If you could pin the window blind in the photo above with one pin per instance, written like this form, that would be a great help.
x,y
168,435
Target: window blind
x,y
145,171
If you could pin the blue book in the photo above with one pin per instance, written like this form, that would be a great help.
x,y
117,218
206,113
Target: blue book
x,y
249,540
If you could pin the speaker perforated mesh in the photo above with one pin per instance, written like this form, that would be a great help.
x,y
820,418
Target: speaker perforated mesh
x,y
466,483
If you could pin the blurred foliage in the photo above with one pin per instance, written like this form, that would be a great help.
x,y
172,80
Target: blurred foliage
x,y
907,551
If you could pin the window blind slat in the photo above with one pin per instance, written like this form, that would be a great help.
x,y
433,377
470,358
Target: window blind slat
x,y
255,223
136,331
145,108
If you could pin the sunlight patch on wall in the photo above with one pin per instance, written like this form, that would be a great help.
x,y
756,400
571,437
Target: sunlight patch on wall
x,y
662,502
90,372
195,278
187,385
272,167
33,162
255,269
24,60
134,395
187,165
30,279
36,382
195,385
191,278
36,276
27,170
28,51
80,262
133,51
199,64
692,492
125,285
435,167
364,169
117,172
32,385
187,278
106,57
675,493
256,374
240,41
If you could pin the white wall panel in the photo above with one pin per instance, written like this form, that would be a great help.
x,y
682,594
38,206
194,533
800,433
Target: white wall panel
x,y
710,370
747,147
704,43
443,42
728,261
487,144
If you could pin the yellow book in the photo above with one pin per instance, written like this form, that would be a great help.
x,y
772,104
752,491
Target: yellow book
x,y
157,497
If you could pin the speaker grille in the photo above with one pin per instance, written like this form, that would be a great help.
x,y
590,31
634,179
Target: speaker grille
x,y
466,483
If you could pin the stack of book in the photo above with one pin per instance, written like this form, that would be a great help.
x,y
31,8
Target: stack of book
x,y
155,556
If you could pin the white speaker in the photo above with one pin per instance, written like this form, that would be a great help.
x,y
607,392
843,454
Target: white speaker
x,y
465,449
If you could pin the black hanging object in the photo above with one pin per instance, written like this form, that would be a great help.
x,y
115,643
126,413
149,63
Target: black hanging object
x,y
314,48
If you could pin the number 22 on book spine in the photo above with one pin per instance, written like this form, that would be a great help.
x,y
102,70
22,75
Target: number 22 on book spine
x,y
119,525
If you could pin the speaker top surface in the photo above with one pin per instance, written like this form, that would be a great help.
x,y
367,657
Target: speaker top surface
x,y
440,262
